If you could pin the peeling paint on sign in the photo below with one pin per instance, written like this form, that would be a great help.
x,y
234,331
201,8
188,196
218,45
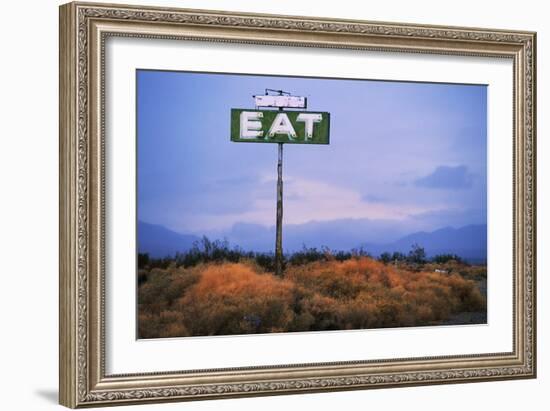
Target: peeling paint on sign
x,y
280,101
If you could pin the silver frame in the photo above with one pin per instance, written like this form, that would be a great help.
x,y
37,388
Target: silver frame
x,y
84,27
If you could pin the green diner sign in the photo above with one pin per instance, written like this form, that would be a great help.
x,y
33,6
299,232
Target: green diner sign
x,y
274,126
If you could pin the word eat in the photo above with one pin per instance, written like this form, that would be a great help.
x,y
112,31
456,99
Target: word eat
x,y
252,127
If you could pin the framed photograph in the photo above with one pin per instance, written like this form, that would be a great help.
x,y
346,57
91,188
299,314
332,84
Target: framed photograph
x,y
260,204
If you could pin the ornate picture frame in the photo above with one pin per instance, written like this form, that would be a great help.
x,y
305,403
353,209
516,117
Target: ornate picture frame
x,y
84,30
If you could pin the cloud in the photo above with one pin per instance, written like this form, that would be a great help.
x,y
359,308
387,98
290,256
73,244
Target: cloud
x,y
323,201
447,178
305,200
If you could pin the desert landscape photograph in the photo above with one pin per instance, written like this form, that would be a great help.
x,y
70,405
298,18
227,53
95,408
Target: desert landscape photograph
x,y
278,204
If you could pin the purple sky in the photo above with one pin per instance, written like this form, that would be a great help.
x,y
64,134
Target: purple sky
x,y
402,157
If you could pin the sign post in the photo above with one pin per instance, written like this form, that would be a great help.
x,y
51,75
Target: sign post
x,y
279,225
281,127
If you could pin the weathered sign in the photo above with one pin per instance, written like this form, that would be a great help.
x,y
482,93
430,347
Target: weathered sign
x,y
280,101
273,126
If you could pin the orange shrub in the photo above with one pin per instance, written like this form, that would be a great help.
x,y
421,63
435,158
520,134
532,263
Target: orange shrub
x,y
239,298
234,299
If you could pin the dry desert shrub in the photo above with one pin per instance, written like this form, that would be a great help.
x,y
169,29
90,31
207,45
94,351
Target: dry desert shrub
x,y
241,298
233,298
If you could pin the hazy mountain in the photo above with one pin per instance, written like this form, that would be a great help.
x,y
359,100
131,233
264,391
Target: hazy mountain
x,y
158,241
469,242
342,234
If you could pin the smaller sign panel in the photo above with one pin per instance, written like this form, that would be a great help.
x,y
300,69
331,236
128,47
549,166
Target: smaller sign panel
x,y
275,126
280,101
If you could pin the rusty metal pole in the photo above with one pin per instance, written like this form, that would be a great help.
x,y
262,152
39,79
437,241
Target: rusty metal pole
x,y
279,227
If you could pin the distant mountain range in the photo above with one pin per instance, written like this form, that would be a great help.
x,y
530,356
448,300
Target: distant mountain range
x,y
469,242
159,241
